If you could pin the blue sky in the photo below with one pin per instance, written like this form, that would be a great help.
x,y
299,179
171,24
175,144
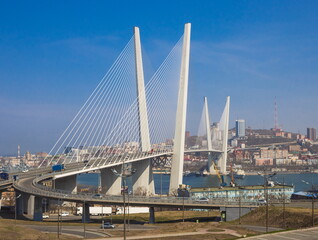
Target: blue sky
x,y
54,53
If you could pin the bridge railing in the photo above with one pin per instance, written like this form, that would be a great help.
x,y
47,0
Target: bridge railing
x,y
47,191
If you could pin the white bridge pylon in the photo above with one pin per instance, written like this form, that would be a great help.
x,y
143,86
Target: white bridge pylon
x,y
178,148
127,123
142,178
216,137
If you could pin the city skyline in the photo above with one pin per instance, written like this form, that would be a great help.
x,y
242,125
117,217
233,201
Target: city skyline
x,y
52,60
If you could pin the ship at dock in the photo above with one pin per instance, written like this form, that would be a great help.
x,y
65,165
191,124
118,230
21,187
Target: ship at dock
x,y
239,174
247,193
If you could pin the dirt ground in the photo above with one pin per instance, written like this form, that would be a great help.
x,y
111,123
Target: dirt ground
x,y
294,217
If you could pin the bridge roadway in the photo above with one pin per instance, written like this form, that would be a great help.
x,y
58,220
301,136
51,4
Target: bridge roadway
x,y
31,186
111,161
81,167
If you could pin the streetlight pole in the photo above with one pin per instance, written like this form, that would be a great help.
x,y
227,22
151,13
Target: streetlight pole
x,y
128,210
284,220
58,218
182,205
124,200
312,202
84,219
15,210
266,177
123,176
161,182
240,213
312,205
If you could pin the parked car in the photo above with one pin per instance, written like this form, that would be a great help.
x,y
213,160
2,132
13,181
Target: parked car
x,y
202,200
97,195
45,216
107,225
261,202
64,214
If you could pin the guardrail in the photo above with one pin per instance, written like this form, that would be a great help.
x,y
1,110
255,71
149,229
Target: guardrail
x,y
41,190
45,191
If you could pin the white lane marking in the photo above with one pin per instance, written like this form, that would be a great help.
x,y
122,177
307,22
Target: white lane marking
x,y
279,235
301,234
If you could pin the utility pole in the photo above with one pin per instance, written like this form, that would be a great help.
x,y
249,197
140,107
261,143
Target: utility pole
x,y
58,218
124,200
183,205
240,209
15,209
266,177
266,199
84,220
284,220
312,205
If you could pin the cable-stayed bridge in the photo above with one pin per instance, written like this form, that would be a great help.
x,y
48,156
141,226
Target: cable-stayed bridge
x,y
127,120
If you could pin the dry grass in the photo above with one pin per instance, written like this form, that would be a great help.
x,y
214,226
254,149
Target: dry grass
x,y
9,231
294,217
183,227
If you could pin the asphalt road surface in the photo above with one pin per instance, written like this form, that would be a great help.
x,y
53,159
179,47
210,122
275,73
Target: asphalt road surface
x,y
77,231
301,234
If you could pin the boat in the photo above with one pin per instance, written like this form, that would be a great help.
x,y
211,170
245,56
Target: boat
x,y
205,173
239,174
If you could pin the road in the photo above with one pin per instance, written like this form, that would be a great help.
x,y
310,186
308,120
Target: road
x,y
27,185
76,231
301,234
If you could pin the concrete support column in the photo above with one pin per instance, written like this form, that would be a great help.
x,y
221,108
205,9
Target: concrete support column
x,y
152,215
30,204
38,212
67,183
35,207
142,179
19,203
110,183
25,199
85,213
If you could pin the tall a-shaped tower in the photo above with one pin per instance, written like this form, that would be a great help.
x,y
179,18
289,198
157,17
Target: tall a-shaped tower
x,y
142,179
224,125
208,135
179,138
141,94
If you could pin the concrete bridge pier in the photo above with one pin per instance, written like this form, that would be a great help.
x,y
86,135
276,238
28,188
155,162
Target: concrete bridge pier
x,y
20,202
213,158
233,213
110,182
142,179
68,184
152,215
34,207
85,213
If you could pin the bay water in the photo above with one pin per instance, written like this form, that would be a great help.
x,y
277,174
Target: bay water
x,y
301,181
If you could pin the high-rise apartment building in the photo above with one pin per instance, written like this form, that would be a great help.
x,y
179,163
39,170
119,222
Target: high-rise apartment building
x,y
311,134
240,128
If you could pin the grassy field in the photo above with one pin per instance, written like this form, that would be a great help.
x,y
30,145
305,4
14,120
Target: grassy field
x,y
166,222
171,222
8,231
294,217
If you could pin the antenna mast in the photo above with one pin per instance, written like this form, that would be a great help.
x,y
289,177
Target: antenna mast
x,y
275,115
